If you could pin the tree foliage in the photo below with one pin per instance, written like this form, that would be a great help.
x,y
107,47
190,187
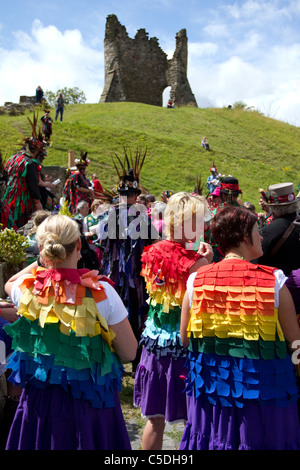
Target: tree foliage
x,y
71,96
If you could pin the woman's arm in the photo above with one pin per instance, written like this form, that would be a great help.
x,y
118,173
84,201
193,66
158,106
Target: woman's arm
x,y
86,190
206,252
8,311
200,262
125,343
184,321
10,282
287,316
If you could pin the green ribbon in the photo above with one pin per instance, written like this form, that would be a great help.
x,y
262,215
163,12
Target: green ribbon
x,y
69,351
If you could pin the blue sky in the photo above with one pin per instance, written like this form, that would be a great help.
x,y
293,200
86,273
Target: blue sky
x,y
237,50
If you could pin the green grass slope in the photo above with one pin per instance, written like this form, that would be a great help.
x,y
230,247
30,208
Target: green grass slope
x,y
259,151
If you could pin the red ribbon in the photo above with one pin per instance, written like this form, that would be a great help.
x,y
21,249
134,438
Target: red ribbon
x,y
234,187
286,198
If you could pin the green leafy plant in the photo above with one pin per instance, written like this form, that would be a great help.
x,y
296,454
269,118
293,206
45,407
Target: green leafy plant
x,y
12,247
64,208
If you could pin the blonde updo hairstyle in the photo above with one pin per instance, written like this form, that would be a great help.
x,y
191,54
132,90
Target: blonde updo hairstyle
x,y
57,237
180,210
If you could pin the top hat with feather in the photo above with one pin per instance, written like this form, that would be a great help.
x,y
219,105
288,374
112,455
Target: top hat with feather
x,y
130,172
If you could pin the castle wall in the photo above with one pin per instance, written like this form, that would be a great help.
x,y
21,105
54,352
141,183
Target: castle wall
x,y
138,70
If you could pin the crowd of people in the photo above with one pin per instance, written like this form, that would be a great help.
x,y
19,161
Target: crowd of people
x,y
199,293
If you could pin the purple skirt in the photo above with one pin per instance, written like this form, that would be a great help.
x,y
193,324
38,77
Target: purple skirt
x,y
253,427
51,419
159,387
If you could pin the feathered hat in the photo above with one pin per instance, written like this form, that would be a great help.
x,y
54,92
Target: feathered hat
x,y
83,160
130,173
108,195
198,186
213,168
35,144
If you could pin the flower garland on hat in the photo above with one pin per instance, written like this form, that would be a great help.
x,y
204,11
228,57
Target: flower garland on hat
x,y
83,160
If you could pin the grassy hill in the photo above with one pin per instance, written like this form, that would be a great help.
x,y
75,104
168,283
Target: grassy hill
x,y
259,151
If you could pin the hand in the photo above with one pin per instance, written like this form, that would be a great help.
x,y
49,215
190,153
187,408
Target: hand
x,y
8,311
38,205
164,197
206,251
49,185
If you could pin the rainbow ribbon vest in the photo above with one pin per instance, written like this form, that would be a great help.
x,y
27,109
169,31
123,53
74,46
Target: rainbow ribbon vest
x,y
62,339
237,349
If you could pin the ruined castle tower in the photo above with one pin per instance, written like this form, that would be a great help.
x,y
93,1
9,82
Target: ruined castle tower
x,y
138,70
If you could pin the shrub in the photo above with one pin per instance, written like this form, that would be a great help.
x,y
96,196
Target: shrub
x,y
12,247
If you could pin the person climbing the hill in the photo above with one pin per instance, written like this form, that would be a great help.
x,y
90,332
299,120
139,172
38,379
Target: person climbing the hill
x,y
60,103
204,143
46,125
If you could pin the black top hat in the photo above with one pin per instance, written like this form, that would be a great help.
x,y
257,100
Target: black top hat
x,y
230,184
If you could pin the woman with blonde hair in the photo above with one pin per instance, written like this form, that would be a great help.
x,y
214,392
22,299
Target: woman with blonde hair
x,y
166,265
69,341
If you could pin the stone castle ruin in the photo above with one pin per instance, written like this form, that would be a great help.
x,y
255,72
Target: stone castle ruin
x,y
137,70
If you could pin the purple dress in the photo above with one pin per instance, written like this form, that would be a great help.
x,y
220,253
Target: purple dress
x,y
52,419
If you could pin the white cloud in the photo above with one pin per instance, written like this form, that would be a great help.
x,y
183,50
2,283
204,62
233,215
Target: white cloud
x,y
217,30
271,85
256,58
52,59
256,11
202,49
230,81
247,10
